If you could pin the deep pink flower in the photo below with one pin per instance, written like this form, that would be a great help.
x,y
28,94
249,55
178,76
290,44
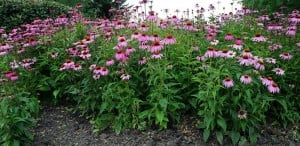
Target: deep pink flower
x,y
209,53
120,55
129,50
69,64
122,43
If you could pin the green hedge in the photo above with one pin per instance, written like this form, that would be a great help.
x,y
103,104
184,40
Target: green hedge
x,y
16,12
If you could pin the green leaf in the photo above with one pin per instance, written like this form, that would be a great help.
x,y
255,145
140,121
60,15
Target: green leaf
x,y
235,137
55,93
222,123
163,103
159,115
219,136
243,141
206,134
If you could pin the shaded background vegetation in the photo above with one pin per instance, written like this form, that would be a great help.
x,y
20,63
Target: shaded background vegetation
x,y
269,6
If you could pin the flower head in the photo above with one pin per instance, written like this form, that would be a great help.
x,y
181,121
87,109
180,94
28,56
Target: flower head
x,y
228,82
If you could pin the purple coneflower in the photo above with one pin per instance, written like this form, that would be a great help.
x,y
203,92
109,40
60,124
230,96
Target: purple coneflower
x,y
286,56
242,114
228,82
125,76
228,37
278,71
246,79
169,39
156,55
273,88
259,38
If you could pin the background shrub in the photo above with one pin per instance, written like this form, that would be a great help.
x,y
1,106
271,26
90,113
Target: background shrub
x,y
14,13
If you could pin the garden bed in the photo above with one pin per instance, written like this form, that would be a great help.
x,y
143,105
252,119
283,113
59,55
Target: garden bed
x,y
57,125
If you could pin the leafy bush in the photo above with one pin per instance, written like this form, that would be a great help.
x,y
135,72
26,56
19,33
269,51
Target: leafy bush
x,y
129,75
13,13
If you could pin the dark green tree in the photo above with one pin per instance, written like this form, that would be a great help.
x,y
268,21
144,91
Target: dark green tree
x,y
269,6
101,8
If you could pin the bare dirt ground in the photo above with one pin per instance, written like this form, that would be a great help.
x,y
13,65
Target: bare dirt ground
x,y
58,126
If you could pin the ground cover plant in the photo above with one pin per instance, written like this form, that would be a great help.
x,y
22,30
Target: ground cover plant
x,y
234,74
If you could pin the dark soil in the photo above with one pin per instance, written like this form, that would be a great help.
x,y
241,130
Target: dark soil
x,y
58,126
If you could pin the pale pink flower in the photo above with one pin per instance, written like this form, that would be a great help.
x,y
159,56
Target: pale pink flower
x,y
278,71
77,67
103,71
246,79
142,60
228,82
110,62
209,53
143,27
242,114
271,60
228,37
96,76
54,54
259,65
156,55
125,76
245,60
266,80
156,47
286,56
120,55
259,38
69,64
169,40
273,88
85,55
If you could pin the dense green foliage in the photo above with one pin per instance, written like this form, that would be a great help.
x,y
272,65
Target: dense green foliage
x,y
16,12
138,75
95,8
268,6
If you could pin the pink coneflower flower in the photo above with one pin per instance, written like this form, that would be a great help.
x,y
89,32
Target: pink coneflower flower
x,y
143,37
77,67
143,27
103,71
266,80
122,43
271,60
119,25
228,82
30,43
273,88
142,61
20,50
245,60
135,35
14,65
238,47
169,39
291,32
54,54
129,50
155,37
125,76
223,53
120,55
174,19
275,47
259,38
97,70
278,71
246,79
200,58
209,53
8,74
209,37
242,114
69,64
189,26
144,45
87,40
228,37
152,17
110,62
238,41
156,47
230,54
259,65
4,47
247,52
286,56
85,55
156,55
132,25
96,76
214,42
14,76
